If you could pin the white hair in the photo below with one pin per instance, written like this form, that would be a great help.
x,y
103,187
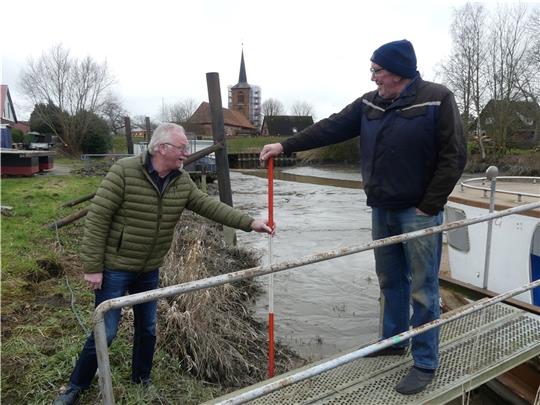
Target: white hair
x,y
163,134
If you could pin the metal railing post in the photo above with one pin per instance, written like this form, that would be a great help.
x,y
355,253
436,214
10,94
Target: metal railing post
x,y
491,175
102,353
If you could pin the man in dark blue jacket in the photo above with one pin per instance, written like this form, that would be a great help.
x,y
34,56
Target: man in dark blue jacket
x,y
413,151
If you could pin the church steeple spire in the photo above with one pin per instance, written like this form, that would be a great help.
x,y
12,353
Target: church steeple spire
x,y
242,78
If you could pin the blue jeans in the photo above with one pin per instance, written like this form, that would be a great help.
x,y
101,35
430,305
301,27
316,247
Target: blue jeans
x,y
115,284
409,270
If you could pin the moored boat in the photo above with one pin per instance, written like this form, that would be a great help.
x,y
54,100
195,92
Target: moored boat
x,y
513,250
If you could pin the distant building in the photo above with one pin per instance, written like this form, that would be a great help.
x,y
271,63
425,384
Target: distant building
x,y
284,125
8,118
236,123
7,109
138,132
522,121
246,98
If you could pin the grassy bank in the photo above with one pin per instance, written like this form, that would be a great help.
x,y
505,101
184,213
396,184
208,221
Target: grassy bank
x,y
46,308
251,144
41,275
234,145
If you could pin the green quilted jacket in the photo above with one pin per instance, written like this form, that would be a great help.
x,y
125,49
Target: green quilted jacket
x,y
130,226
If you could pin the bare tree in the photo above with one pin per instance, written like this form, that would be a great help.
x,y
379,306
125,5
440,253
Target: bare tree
x,y
113,112
301,108
181,111
74,86
476,18
529,83
272,106
508,47
140,121
493,65
462,71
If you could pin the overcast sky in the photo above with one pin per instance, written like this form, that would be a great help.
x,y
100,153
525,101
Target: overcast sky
x,y
160,51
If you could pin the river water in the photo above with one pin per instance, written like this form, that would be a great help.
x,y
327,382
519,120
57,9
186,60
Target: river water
x,y
329,307
323,308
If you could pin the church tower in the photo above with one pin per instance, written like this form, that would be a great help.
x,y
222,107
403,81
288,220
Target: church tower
x,y
246,98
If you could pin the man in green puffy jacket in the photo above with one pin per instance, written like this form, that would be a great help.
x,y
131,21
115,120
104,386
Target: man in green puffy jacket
x,y
128,231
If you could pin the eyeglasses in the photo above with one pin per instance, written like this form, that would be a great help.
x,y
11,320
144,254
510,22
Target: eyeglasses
x,y
183,149
375,71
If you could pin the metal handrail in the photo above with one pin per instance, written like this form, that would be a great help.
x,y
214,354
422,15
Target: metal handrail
x,y
364,351
102,352
502,178
86,156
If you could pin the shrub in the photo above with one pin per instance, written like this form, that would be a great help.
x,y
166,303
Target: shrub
x,y
17,135
96,137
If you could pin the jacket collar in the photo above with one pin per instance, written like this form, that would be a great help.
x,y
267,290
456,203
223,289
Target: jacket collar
x,y
409,93
405,97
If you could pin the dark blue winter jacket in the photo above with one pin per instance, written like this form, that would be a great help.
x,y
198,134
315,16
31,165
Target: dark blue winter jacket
x,y
413,149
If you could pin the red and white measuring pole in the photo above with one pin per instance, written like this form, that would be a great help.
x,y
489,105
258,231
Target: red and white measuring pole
x,y
270,276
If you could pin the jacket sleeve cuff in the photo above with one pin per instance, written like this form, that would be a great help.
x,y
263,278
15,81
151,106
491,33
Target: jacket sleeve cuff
x,y
430,210
286,149
92,268
245,225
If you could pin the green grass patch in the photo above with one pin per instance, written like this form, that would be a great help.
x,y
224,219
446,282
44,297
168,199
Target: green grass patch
x,y
41,276
120,144
248,144
35,203
252,144
72,162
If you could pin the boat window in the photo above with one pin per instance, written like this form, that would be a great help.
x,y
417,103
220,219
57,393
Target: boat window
x,y
535,245
457,238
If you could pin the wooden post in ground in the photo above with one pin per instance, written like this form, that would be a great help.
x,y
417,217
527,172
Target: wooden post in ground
x,y
148,129
218,133
129,140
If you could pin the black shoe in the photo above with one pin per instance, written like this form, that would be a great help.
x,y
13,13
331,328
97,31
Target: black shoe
x,y
415,381
69,397
389,351
145,382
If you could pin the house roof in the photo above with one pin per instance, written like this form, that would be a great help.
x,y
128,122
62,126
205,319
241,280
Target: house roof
x,y
231,118
525,113
286,125
24,126
6,102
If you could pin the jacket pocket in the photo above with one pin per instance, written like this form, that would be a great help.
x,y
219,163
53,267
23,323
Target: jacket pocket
x,y
120,238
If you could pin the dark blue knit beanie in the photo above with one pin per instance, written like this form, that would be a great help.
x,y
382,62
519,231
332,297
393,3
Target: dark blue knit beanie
x,y
397,57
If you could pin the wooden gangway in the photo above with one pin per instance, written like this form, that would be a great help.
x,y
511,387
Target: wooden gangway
x,y
473,349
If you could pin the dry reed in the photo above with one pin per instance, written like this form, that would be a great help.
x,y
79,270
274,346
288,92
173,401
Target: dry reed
x,y
212,332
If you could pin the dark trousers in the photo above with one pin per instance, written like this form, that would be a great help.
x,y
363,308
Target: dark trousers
x,y
117,284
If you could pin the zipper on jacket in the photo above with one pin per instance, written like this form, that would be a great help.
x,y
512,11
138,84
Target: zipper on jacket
x,y
160,214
